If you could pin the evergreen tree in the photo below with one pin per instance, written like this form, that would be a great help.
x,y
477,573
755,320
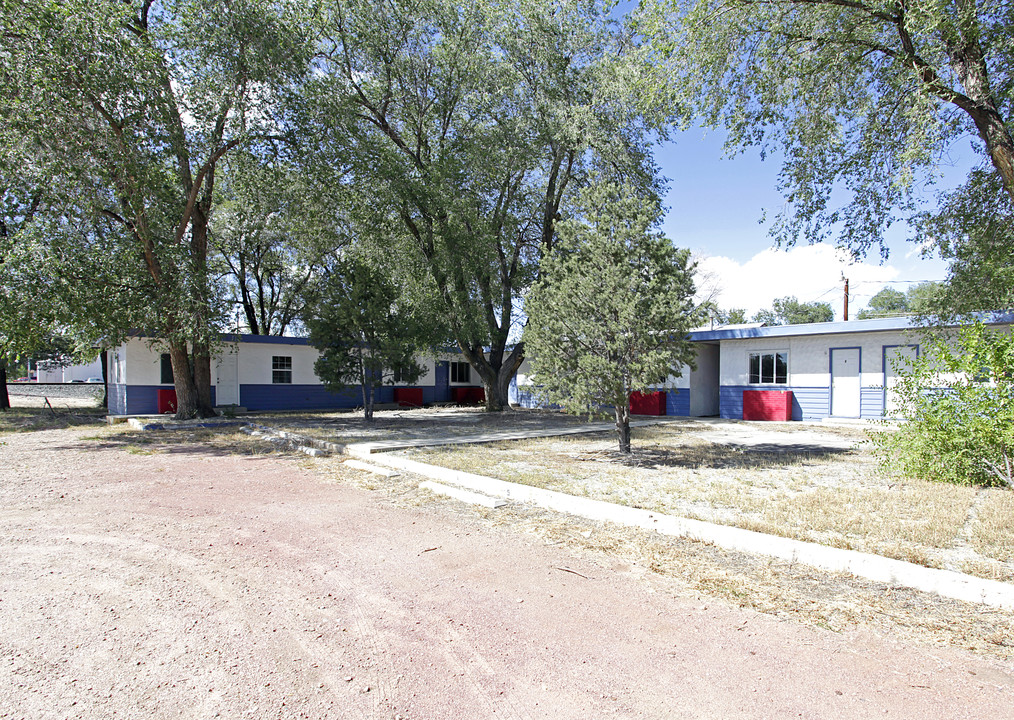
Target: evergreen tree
x,y
610,313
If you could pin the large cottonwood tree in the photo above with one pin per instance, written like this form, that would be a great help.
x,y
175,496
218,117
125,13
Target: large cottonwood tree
x,y
272,234
128,108
862,97
472,124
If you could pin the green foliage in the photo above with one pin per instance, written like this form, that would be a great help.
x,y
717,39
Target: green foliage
x,y
365,330
272,230
958,403
923,299
610,313
974,230
789,311
472,124
118,114
717,316
862,99
886,303
732,316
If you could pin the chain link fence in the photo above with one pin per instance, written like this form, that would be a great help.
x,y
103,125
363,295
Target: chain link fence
x,y
58,394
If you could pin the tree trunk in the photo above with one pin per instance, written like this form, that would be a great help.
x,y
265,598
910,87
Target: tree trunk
x,y
623,426
183,381
497,399
5,400
498,387
367,388
202,380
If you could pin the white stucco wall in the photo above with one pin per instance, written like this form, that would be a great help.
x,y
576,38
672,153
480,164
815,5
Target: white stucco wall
x,y
429,376
139,362
474,378
809,356
255,362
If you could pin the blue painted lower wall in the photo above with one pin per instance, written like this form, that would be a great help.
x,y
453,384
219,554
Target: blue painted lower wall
x,y
143,399
138,399
677,402
306,397
871,402
808,403
522,397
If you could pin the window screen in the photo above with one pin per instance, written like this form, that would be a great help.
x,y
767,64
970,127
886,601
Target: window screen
x,y
769,368
281,369
461,372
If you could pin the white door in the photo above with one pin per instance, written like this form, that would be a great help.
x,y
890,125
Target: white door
x,y
845,382
897,360
227,384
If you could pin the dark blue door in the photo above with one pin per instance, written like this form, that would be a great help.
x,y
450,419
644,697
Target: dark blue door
x,y
442,391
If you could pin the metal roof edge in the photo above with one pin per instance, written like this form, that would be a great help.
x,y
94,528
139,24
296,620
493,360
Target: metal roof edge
x,y
905,322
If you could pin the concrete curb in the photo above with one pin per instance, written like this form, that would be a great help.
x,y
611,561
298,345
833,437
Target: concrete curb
x,y
872,567
463,495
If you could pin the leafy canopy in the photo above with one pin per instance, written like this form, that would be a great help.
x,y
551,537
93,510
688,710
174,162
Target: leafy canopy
x,y
473,124
862,99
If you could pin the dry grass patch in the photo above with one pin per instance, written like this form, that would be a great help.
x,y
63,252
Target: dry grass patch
x,y
992,533
905,521
346,427
29,419
224,441
828,492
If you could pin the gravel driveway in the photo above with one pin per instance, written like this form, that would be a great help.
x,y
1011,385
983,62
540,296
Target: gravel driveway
x,y
191,583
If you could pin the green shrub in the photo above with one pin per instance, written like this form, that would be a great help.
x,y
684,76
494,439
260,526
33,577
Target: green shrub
x,y
957,402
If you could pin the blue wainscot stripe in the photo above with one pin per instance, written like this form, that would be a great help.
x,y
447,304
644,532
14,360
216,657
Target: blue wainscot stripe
x,y
305,397
677,402
140,399
808,403
730,402
871,402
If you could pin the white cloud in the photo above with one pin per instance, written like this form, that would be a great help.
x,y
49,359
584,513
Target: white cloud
x,y
810,273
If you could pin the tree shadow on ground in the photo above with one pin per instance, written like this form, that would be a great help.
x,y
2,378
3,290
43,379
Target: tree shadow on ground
x,y
713,456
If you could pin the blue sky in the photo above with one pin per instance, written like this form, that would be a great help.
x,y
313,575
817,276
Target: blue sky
x,y
714,206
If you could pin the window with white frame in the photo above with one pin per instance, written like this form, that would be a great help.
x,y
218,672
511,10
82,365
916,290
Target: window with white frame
x,y
281,369
461,372
769,368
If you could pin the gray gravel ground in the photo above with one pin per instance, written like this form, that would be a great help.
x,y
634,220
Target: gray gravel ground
x,y
186,582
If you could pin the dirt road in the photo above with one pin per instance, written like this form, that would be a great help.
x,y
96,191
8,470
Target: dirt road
x,y
196,584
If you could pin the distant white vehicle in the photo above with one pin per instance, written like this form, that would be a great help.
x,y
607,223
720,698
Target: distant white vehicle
x,y
94,380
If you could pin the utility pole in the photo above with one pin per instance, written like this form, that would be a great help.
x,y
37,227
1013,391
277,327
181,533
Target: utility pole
x,y
846,300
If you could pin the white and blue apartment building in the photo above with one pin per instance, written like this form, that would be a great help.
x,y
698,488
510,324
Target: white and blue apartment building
x,y
266,372
787,372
